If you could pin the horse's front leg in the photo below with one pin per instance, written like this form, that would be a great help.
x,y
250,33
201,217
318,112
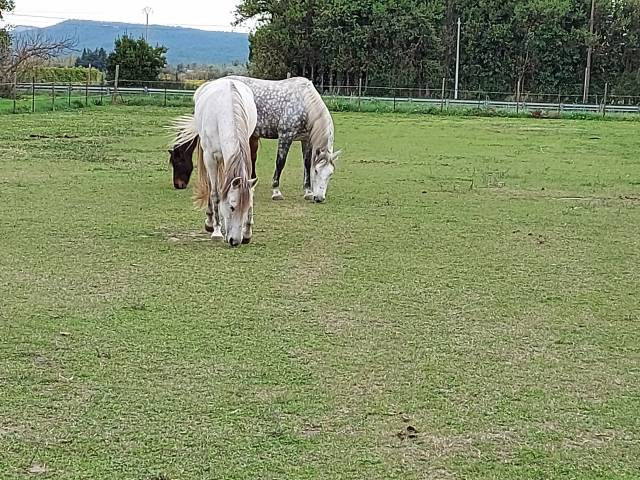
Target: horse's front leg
x,y
307,152
284,144
212,163
247,233
208,223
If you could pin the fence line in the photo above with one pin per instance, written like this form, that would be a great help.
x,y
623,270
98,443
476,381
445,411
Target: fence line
x,y
390,96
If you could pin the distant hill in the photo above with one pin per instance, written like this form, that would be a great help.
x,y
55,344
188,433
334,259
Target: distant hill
x,y
185,45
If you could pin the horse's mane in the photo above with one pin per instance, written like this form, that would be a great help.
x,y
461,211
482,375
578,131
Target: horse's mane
x,y
239,163
319,121
185,131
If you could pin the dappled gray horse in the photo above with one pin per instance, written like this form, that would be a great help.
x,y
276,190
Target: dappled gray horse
x,y
292,110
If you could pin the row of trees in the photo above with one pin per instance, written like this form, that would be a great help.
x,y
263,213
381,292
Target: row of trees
x,y
412,43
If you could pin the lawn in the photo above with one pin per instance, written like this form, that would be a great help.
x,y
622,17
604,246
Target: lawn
x,y
464,306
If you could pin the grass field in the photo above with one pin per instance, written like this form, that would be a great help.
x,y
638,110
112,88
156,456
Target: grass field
x,y
464,306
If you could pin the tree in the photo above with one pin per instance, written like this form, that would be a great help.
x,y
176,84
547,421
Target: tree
x,y
96,58
5,39
139,61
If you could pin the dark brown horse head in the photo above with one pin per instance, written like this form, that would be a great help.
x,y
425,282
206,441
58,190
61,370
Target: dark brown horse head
x,y
181,159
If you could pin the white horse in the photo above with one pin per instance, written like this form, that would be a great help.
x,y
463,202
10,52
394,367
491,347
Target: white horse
x,y
224,119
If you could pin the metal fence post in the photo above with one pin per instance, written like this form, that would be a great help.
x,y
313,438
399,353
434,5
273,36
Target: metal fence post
x,y
53,96
165,96
69,95
604,99
394,99
33,94
442,94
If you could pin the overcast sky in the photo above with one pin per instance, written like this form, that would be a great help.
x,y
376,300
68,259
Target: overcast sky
x,y
204,14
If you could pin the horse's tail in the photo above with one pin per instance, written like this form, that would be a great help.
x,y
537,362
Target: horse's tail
x,y
203,188
185,130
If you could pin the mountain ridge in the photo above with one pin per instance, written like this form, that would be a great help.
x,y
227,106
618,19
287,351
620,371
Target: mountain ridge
x,y
185,45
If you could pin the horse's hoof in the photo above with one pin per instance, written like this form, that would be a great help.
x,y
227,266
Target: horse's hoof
x,y
216,235
208,228
308,195
277,196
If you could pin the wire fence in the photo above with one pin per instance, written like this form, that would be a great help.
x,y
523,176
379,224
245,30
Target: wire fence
x,y
24,97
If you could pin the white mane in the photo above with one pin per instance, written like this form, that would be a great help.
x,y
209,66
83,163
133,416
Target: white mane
x,y
319,120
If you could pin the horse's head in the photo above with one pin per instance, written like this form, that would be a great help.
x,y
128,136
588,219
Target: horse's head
x,y
236,208
322,168
182,164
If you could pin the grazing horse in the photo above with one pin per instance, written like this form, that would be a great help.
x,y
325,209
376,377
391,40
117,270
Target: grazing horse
x,y
292,110
225,116
181,159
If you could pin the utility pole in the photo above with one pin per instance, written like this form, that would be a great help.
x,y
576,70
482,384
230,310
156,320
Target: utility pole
x,y
455,96
147,11
587,71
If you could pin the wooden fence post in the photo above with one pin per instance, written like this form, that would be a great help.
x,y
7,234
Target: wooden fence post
x,y
15,90
115,85
86,88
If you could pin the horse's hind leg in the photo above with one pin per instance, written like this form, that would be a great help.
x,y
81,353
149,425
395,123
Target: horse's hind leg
x,y
307,152
254,143
284,144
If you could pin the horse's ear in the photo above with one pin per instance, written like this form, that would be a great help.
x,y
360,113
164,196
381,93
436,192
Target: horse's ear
x,y
235,183
252,183
335,156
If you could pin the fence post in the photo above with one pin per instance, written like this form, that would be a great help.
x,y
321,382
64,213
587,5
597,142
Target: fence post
x,y
394,99
115,85
53,96
33,94
86,88
604,99
518,97
69,95
15,90
101,90
165,95
442,94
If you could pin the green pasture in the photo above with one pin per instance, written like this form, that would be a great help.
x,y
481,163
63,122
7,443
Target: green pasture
x,y
464,306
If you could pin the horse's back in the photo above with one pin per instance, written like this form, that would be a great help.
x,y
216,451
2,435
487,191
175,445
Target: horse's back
x,y
222,113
